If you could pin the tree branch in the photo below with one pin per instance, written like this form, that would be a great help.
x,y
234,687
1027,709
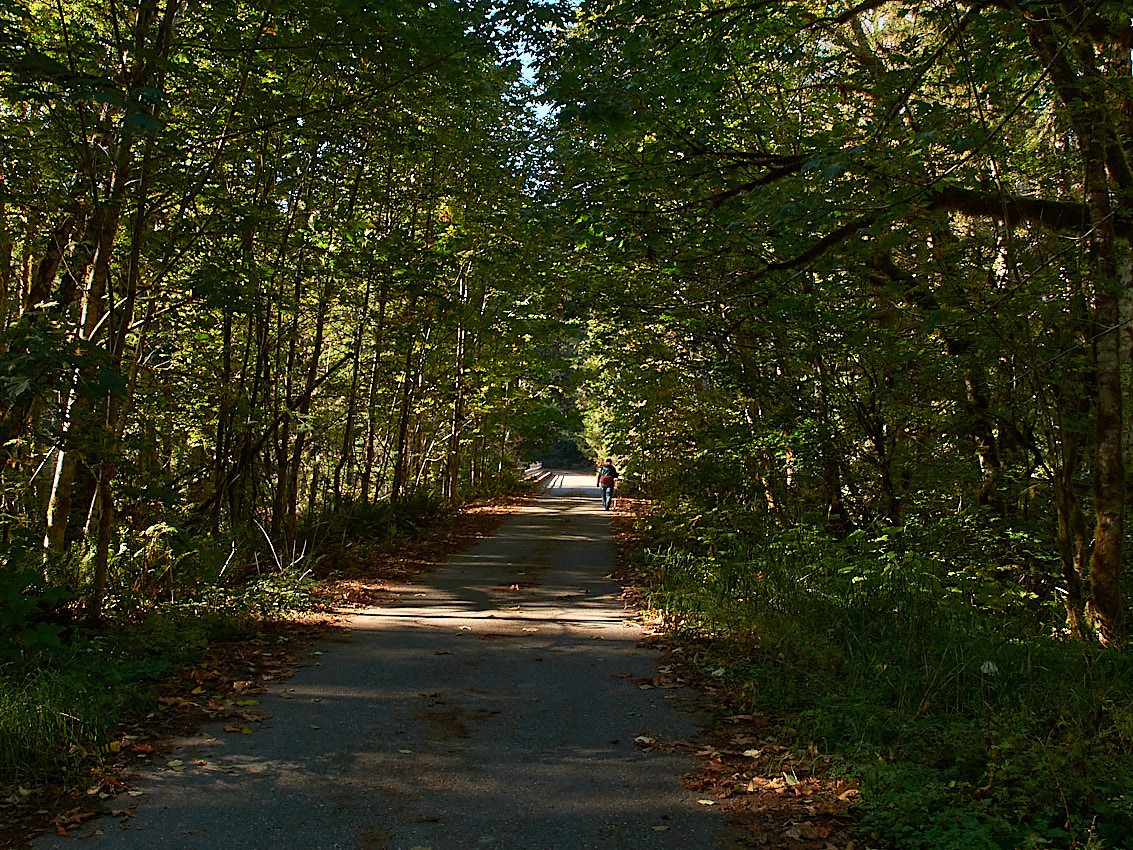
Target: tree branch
x,y
822,245
1060,216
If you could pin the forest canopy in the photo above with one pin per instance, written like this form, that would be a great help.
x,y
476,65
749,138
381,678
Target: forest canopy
x,y
261,263
844,287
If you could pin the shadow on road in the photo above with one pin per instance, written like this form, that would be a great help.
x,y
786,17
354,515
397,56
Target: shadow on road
x,y
493,706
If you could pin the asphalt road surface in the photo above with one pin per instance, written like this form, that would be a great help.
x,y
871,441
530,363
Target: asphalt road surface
x,y
494,706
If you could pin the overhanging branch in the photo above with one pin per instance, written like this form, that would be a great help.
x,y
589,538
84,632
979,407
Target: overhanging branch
x,y
1060,216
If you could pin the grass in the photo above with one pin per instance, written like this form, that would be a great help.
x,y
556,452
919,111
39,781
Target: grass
x,y
948,692
57,706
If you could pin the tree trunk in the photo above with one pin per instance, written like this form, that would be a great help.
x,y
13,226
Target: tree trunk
x,y
347,457
1082,70
372,397
101,232
102,543
1109,478
400,460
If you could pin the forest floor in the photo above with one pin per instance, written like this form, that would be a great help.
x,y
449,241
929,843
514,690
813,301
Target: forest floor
x,y
774,798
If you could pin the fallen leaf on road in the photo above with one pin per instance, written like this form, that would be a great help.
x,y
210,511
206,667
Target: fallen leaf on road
x,y
707,802
175,702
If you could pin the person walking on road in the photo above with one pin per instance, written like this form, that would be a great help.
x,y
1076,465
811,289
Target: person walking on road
x,y
607,476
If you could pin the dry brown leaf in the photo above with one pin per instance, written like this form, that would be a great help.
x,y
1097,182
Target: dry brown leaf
x,y
175,702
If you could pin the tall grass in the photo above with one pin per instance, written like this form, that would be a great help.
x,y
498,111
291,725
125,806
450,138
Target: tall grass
x,y
48,721
943,683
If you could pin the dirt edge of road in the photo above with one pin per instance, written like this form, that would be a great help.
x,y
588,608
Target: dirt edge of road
x,y
774,796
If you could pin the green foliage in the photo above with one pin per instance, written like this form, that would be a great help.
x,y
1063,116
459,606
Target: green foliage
x,y
360,523
57,710
915,656
35,610
271,596
27,603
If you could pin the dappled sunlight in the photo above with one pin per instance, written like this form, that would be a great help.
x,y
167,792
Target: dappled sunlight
x,y
497,703
558,618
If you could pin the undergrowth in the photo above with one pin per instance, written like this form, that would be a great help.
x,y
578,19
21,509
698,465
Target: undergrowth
x,y
928,661
57,706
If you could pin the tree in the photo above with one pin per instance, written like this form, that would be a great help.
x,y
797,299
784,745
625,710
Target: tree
x,y
860,218
248,262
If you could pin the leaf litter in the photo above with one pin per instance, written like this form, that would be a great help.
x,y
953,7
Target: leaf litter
x,y
221,686
778,797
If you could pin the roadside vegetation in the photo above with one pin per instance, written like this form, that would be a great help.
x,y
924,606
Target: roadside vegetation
x,y
946,688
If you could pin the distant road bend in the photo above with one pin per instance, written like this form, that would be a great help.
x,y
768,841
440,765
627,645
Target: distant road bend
x,y
492,706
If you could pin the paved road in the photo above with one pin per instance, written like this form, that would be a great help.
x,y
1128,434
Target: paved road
x,y
494,706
